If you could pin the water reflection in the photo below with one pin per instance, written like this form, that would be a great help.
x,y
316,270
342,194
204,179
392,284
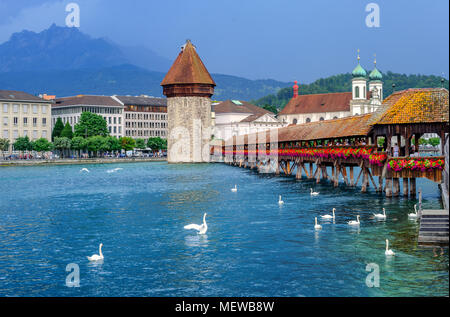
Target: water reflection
x,y
198,240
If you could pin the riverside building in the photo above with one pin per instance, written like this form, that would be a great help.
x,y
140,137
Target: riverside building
x,y
69,109
144,117
23,114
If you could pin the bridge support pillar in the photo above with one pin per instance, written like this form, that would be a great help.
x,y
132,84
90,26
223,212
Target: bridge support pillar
x,y
405,187
298,174
352,179
380,184
412,187
311,170
277,171
396,187
365,180
388,187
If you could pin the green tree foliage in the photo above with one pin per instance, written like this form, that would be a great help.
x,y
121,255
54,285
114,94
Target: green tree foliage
x,y
57,129
127,143
78,143
113,144
67,131
343,83
271,108
42,145
22,144
140,144
61,144
95,143
157,144
91,124
4,144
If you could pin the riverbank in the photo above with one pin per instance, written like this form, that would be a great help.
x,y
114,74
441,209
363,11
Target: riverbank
x,y
81,161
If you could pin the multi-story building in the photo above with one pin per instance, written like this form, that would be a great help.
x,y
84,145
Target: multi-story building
x,y
318,107
237,117
69,109
23,115
144,116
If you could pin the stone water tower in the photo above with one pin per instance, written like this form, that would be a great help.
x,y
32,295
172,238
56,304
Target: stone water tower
x,y
188,87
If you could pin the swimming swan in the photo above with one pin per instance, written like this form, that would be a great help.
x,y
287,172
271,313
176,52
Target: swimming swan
x,y
388,252
381,216
84,169
97,257
329,216
280,201
413,214
314,193
317,226
234,189
353,222
200,228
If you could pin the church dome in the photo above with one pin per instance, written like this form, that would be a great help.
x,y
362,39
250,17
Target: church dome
x,y
359,71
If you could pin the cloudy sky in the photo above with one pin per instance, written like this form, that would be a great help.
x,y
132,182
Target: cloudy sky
x,y
280,39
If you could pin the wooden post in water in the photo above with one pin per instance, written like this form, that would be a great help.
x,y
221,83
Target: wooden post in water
x,y
412,187
298,175
352,181
405,187
380,183
419,212
396,187
365,180
388,187
311,170
277,171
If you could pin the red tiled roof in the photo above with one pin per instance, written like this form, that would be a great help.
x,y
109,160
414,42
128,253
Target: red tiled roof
x,y
330,102
354,126
188,68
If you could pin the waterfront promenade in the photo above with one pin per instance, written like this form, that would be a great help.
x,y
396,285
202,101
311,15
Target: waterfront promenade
x,y
80,161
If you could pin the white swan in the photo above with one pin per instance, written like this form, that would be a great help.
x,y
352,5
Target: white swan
x,y
353,222
84,169
413,214
317,226
200,228
381,216
329,216
314,193
97,257
114,170
280,201
234,189
388,251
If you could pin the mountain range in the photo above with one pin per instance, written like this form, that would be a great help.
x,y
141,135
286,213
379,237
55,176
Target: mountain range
x,y
64,61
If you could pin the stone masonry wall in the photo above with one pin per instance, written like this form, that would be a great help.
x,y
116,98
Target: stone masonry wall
x,y
189,129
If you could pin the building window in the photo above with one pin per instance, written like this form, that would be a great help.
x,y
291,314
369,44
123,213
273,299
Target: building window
x,y
16,120
308,120
35,109
6,134
15,134
25,133
15,108
294,121
44,133
5,120
25,108
120,129
44,109
321,119
34,122
5,107
35,134
356,92
335,117
44,121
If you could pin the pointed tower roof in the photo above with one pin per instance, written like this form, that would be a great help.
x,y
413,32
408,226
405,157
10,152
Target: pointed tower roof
x,y
188,68
359,71
375,73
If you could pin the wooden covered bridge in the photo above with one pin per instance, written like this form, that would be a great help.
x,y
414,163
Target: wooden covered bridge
x,y
357,141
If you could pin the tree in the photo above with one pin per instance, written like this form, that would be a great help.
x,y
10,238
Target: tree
x,y
59,126
67,131
434,141
157,144
42,145
22,144
127,143
270,108
61,144
140,144
91,124
4,145
113,143
78,143
95,144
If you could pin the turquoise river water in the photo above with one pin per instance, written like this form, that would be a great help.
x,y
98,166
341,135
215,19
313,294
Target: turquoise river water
x,y
51,216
